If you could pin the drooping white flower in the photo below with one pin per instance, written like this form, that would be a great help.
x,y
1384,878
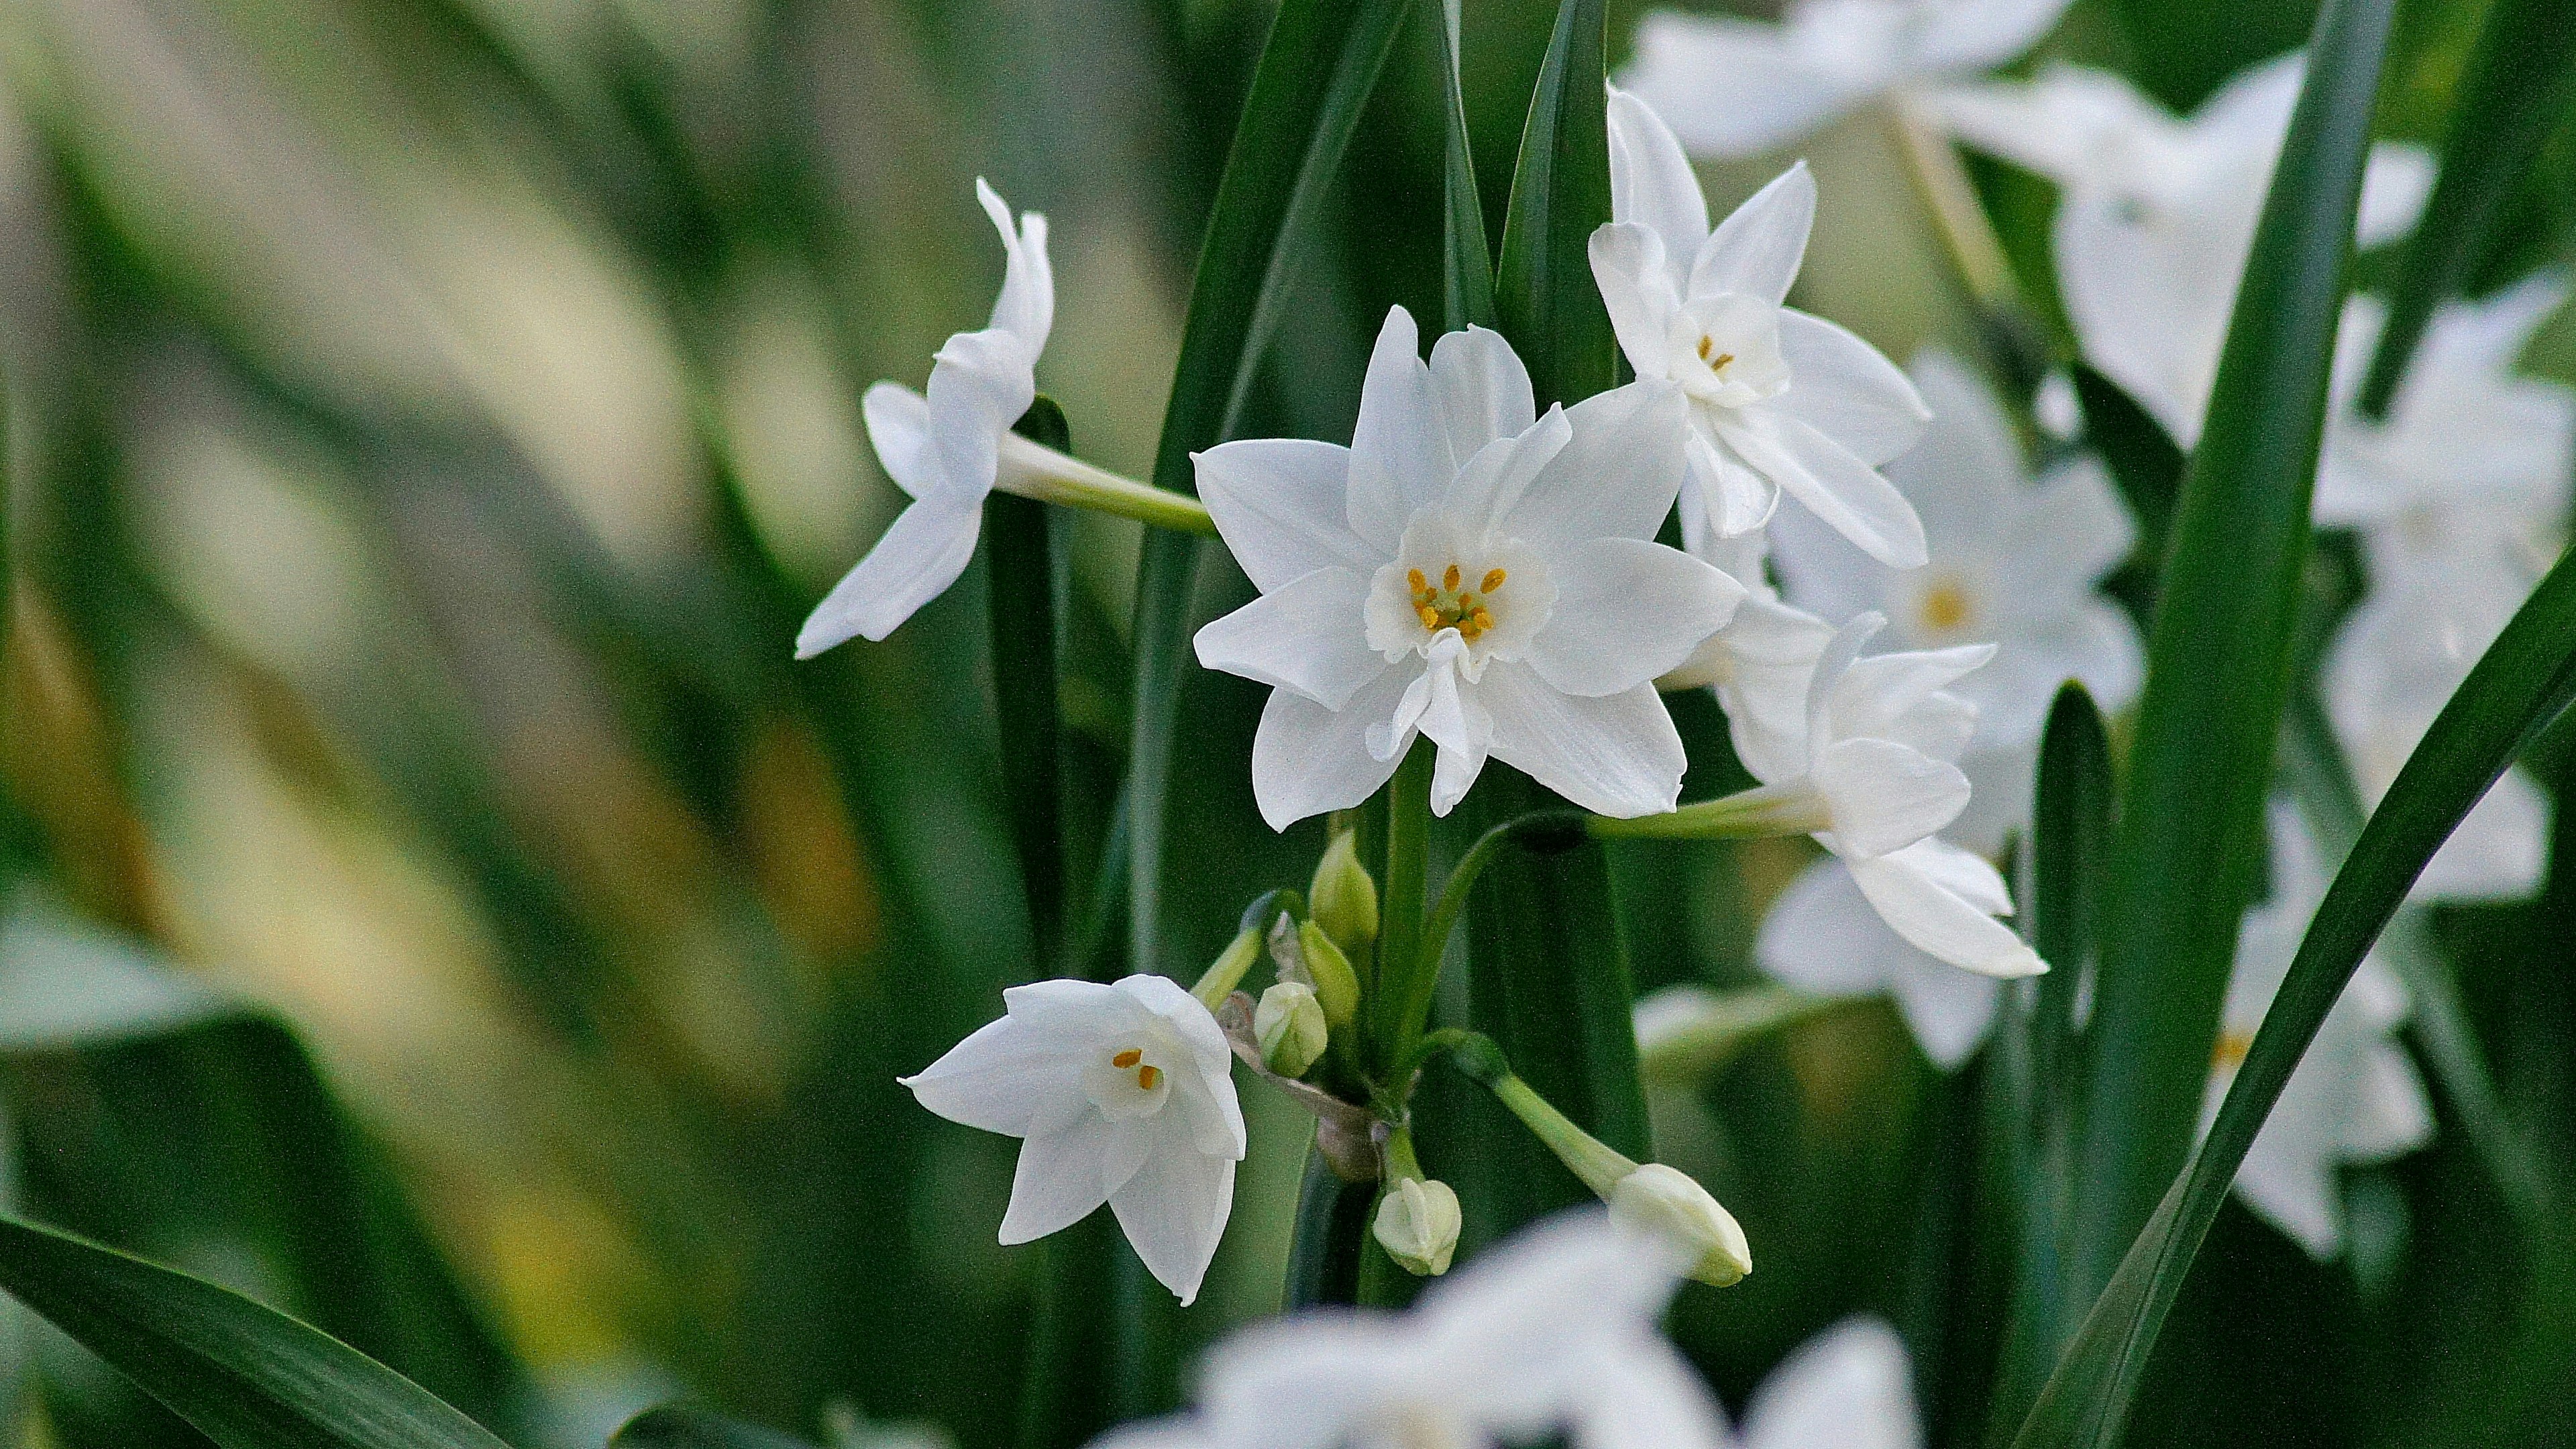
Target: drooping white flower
x,y
1849,1387
2012,563
1821,935
1122,1094
2355,1096
1734,87
1779,401
1466,570
944,449
2157,214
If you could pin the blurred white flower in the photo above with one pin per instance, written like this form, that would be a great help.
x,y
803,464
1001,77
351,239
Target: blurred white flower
x,y
2012,562
1778,400
943,450
2354,1098
1123,1095
2158,214
1822,936
1465,570
1734,87
1849,1387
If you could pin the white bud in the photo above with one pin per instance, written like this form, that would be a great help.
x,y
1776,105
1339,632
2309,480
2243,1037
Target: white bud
x,y
1666,1202
1289,1027
1417,1224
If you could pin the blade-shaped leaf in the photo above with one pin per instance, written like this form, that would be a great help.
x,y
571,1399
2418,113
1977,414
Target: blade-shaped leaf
x,y
686,1426
2186,848
247,1376
2514,95
1022,585
1543,290
2525,680
1467,262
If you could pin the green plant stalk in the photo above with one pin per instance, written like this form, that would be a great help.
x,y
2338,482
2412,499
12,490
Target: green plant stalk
x,y
1031,469
1688,1058
1595,1163
1401,967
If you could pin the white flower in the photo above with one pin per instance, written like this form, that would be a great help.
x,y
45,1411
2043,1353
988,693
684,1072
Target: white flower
x,y
1849,1387
1553,1332
2011,562
1733,87
2157,214
2354,1098
1123,1095
1759,664
943,450
1465,570
1822,936
1778,400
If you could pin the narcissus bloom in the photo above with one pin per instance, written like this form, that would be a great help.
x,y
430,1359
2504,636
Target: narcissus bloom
x,y
1468,570
944,449
1779,401
1734,87
1822,935
1122,1094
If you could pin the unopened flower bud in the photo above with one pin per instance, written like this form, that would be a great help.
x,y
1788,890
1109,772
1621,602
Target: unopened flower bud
x,y
1342,898
1336,985
1417,1224
1665,1201
1289,1027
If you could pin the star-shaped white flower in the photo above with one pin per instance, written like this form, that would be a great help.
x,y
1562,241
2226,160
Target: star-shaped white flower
x,y
1734,87
943,450
2012,563
2158,214
1779,401
1122,1094
1466,570
2355,1096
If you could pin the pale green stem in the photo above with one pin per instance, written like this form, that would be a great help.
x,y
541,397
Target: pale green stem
x,y
1950,199
1766,810
1228,970
1033,470
1600,1166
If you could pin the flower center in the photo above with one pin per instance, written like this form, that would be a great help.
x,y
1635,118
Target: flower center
x,y
1945,607
1717,364
1148,1075
1450,606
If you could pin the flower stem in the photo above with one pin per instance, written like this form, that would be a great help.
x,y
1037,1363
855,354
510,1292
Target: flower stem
x,y
1792,809
1599,1165
1033,470
1950,199
1536,830
1399,940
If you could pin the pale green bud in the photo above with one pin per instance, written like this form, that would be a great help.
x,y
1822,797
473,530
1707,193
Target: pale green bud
x,y
1337,986
1342,899
1665,1201
1289,1027
1417,1224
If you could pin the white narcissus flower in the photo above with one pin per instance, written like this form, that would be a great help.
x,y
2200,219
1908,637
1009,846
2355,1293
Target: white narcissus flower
x,y
943,450
1821,935
1759,664
2354,1097
2157,214
1122,1094
1466,570
2012,563
1779,401
1849,1387
1734,87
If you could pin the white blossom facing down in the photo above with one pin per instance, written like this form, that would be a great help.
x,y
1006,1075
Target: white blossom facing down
x,y
1777,400
1123,1094
2157,214
943,450
1466,570
2354,1097
1735,87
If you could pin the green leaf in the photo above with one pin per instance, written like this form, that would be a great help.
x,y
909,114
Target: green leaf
x,y
2147,468
1544,292
2524,681
2187,848
2181,50
2515,93
247,1376
1467,262
1022,585
686,1426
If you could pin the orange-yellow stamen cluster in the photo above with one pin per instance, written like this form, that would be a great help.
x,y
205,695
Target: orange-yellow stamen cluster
x,y
1449,607
1717,363
1148,1076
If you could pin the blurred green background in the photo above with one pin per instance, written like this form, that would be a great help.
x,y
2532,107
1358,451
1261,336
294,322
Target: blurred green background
x,y
446,913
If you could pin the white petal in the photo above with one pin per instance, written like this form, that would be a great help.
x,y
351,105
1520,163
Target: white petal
x,y
2395,184
2499,849
1885,796
1400,458
1834,485
1948,1010
2079,128
1731,87
1454,717
1491,483
1307,637
980,384
1173,1211
1845,389
1821,936
899,429
1942,923
1026,307
1481,389
1616,755
1280,505
2149,299
1616,476
1216,1120
1978,36
1769,656
1063,1175
1734,500
1643,1395
2070,533
1630,268
1627,611
1901,697
1848,1388
1651,182
1007,1077
1307,759
914,562
1757,249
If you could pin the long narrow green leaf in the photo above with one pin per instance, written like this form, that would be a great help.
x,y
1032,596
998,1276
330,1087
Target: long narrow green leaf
x,y
686,1426
1543,290
1021,585
2514,95
2185,857
248,1377
2525,680
1316,71
1467,262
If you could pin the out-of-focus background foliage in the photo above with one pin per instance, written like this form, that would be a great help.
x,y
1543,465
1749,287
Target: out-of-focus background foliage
x,y
446,913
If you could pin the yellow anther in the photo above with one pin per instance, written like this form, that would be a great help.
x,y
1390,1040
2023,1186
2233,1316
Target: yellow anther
x,y
1482,618
2232,1048
1449,580
1719,362
1128,1058
1149,1077
1431,618
1420,584
1705,344
1493,581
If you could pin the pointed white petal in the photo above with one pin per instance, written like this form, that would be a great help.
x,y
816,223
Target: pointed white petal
x,y
1400,458
1845,389
1942,923
1480,388
1850,1387
1307,759
2071,532
1627,611
2499,850
1979,36
1491,483
1736,501
1641,1393
1616,755
1026,306
899,429
1651,183
980,384
1306,637
1629,267
1757,249
1885,796
1616,476
1732,87
1834,485
1279,504
915,562
1063,1175
1173,1211
1821,936
2395,184
2150,297
1948,1010
1007,1077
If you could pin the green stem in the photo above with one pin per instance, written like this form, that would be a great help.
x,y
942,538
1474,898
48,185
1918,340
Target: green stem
x,y
1534,830
1599,1165
1791,809
1399,949
1033,470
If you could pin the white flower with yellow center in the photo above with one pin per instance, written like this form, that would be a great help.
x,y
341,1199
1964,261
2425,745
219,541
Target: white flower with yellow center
x,y
1465,570
1779,401
1122,1094
945,449
1734,87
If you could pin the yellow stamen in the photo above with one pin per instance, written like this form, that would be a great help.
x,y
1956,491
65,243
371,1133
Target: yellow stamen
x,y
1449,580
1483,619
1431,618
1493,581
1149,1077
2232,1048
1127,1058
1719,362
1705,344
1420,584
